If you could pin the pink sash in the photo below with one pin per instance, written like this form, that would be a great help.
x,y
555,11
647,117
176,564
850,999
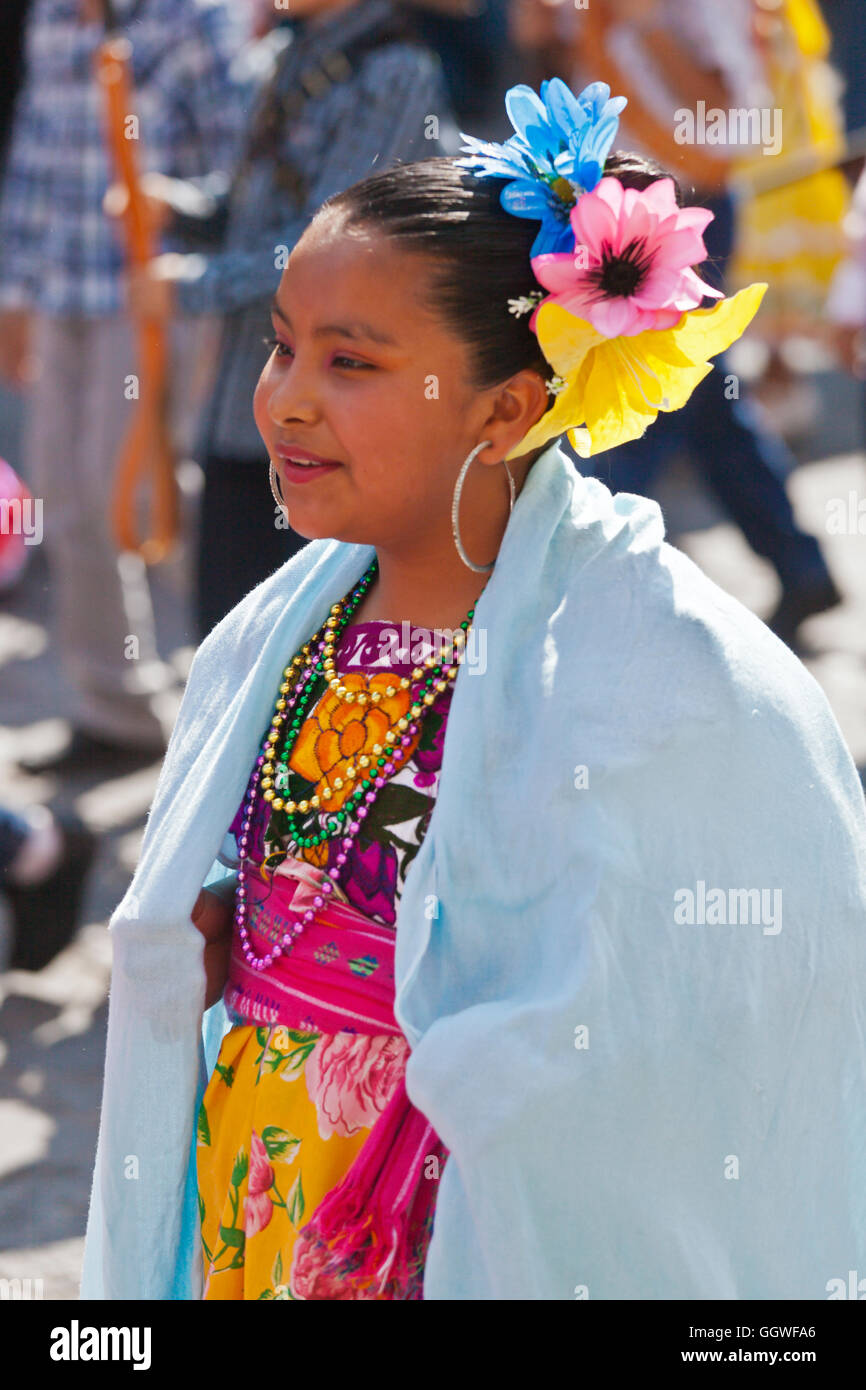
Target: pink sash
x,y
368,1237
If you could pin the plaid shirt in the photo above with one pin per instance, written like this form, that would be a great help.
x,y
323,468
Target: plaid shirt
x,y
370,121
376,117
59,253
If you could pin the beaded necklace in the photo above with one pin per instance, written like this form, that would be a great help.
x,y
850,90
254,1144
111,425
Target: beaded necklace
x,y
270,772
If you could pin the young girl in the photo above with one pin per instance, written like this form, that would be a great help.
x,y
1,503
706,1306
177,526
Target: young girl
x,y
540,969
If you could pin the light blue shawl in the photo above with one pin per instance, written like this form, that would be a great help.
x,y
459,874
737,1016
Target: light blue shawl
x,y
631,957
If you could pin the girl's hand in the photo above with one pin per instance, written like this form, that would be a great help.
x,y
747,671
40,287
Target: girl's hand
x,y
158,209
849,341
150,288
212,916
17,365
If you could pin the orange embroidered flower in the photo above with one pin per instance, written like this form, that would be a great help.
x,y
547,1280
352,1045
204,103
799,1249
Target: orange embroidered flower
x,y
339,732
315,854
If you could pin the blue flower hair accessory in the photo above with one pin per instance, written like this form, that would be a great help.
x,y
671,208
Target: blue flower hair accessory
x,y
557,153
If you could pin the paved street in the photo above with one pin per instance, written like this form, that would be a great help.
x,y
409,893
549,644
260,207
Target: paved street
x,y
52,1024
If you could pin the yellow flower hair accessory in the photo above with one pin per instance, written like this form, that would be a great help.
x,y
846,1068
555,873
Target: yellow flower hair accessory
x,y
615,387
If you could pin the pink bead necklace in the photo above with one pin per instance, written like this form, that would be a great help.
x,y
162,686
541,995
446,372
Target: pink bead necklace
x,y
437,675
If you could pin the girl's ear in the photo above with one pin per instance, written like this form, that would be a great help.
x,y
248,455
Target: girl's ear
x,y
516,407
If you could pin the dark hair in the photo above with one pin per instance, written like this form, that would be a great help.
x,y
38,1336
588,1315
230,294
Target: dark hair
x,y
479,253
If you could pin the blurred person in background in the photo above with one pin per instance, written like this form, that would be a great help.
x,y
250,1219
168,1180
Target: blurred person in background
x,y
478,58
345,87
13,20
846,302
790,208
848,56
61,303
44,857
44,861
669,55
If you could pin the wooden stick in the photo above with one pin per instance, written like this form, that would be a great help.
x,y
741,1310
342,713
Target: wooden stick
x,y
147,447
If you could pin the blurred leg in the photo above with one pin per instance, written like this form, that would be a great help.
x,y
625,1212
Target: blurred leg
x,y
745,464
746,467
78,416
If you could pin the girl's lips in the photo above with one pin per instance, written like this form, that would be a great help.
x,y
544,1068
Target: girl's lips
x,y
298,473
297,451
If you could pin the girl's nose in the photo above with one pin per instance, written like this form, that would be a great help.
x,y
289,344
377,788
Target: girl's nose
x,y
292,397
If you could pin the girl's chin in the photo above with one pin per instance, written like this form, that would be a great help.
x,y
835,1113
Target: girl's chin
x,y
309,529
318,525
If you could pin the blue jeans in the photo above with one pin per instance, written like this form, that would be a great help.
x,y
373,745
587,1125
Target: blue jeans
x,y
743,464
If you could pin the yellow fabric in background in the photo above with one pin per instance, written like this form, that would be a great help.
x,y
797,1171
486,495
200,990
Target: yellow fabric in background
x,y
792,236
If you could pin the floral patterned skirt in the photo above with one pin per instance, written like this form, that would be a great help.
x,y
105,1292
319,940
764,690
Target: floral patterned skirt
x,y
282,1119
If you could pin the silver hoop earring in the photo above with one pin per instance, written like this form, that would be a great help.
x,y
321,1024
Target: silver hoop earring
x,y
455,508
275,491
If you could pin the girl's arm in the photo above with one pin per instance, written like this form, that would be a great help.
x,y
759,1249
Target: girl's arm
x,y
212,916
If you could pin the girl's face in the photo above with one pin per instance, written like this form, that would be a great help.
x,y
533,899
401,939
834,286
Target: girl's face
x,y
363,374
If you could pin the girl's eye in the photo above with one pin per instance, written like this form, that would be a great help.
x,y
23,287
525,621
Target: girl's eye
x,y
282,349
274,344
351,362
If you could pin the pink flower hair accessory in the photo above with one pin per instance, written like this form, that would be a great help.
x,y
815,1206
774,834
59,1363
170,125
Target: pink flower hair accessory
x,y
631,266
